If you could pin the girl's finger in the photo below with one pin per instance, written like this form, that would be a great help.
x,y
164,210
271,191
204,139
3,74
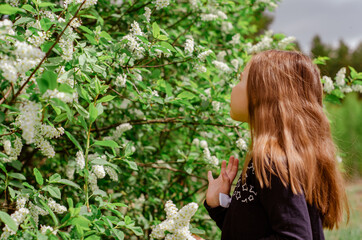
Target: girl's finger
x,y
209,176
223,167
230,164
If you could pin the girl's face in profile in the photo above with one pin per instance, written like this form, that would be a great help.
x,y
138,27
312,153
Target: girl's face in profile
x,y
239,100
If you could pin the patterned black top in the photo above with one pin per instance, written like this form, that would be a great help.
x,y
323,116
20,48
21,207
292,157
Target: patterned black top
x,y
266,213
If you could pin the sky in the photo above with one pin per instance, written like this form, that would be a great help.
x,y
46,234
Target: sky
x,y
331,19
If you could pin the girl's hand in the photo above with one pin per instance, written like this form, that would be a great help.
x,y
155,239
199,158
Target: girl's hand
x,y
222,184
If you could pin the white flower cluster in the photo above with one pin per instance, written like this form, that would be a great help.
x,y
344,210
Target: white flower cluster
x,y
87,4
18,216
80,159
264,44
56,207
147,14
241,144
93,182
66,44
65,97
235,39
34,131
121,129
285,42
235,63
215,105
189,46
112,173
221,55
121,80
177,222
328,85
99,171
202,56
27,56
222,66
14,151
268,3
161,4
133,42
203,144
200,68
37,40
35,211
340,76
208,17
135,29
226,26
193,2
44,228
28,118
117,2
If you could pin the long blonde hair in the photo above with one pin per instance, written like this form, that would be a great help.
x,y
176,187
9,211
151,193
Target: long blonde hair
x,y
290,133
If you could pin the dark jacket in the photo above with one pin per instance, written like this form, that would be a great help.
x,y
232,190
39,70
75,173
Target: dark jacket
x,y
266,213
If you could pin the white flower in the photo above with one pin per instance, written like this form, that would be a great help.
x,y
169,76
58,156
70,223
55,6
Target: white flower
x,y
112,173
155,93
20,202
121,129
66,44
216,105
220,56
18,216
221,66
214,160
264,44
9,71
177,222
80,159
99,171
50,131
93,182
28,118
136,30
235,63
196,141
346,89
328,84
202,56
203,144
147,14
200,68
235,39
226,26
121,80
56,207
69,172
45,146
285,42
65,97
44,228
189,47
193,2
208,17
161,4
7,146
241,144
221,15
357,88
340,76
207,153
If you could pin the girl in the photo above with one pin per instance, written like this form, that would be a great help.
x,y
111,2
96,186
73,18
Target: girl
x,y
290,186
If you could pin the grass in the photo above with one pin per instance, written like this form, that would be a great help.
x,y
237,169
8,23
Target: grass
x,y
353,230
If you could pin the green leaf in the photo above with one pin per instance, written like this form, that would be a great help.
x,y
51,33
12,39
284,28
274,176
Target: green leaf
x,y
17,176
105,35
137,230
29,8
93,113
155,30
68,182
118,234
81,110
9,10
106,99
38,176
8,221
85,29
48,80
46,4
168,46
106,143
162,37
76,143
54,191
132,165
186,95
54,177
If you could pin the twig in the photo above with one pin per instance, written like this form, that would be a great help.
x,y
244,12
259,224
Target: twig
x,y
7,93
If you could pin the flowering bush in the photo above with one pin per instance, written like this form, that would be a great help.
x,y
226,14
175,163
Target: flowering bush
x,y
111,108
